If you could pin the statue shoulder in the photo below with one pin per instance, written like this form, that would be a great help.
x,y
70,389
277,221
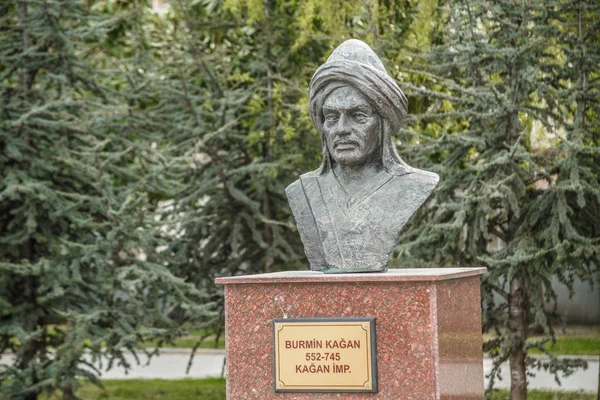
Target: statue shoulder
x,y
417,180
295,188
427,179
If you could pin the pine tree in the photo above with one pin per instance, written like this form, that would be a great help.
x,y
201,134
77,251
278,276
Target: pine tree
x,y
507,72
235,100
237,133
81,281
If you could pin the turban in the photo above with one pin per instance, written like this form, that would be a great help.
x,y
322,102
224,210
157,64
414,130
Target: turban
x,y
354,63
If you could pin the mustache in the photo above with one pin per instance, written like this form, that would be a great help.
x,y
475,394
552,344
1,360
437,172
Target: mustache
x,y
345,141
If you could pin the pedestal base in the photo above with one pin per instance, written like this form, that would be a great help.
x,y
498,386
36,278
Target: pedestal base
x,y
428,329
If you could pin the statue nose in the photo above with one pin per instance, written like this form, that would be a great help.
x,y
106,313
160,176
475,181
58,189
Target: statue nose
x,y
343,126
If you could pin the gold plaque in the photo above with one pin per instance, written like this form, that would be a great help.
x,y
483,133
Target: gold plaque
x,y
325,355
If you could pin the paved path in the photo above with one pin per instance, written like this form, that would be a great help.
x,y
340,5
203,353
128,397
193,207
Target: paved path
x,y
171,364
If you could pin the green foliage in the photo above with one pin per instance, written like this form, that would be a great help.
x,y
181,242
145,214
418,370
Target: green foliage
x,y
235,138
80,274
232,96
144,154
155,389
527,213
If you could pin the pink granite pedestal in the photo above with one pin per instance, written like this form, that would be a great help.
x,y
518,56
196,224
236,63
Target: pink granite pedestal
x,y
428,329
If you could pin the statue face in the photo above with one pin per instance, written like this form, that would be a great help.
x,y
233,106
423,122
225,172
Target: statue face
x,y
351,128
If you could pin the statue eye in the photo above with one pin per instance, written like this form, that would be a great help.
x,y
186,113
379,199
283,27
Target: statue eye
x,y
360,117
331,118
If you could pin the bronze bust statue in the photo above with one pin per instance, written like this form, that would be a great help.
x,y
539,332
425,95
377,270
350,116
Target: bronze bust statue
x,y
349,211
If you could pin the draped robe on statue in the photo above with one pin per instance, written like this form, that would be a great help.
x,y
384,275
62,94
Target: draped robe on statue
x,y
353,232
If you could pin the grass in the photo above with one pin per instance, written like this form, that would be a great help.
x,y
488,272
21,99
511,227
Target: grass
x,y
153,389
544,395
188,342
214,389
573,345
577,341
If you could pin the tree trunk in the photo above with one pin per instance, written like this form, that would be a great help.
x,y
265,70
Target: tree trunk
x,y
517,330
68,393
30,324
29,354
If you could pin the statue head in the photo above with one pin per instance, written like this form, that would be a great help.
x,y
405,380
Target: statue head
x,y
352,90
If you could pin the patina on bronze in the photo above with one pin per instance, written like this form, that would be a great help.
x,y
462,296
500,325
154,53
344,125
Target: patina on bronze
x,y
325,355
349,211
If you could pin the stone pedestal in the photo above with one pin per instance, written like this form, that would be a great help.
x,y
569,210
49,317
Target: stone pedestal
x,y
428,329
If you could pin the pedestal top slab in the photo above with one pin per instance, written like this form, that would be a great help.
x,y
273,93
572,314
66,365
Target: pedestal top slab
x,y
391,275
